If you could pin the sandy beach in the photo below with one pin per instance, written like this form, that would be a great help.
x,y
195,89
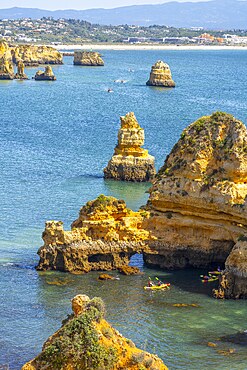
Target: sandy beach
x,y
146,47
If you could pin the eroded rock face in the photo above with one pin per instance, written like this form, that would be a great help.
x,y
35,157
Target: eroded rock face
x,y
47,75
6,69
86,341
104,237
197,203
233,281
160,75
130,161
33,55
20,75
88,58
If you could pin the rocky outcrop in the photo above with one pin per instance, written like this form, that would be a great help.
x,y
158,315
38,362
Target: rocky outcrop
x,y
88,58
47,75
104,237
86,341
20,75
30,55
6,69
233,281
160,75
197,203
130,161
33,55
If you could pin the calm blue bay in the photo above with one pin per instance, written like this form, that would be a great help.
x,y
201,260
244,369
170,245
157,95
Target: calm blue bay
x,y
55,139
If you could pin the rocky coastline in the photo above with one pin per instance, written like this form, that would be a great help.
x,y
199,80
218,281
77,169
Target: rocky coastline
x,y
194,217
130,162
87,341
30,55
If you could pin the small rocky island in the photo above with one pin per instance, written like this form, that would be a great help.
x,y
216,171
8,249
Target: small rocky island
x,y
160,75
88,58
86,341
104,237
130,161
47,75
20,74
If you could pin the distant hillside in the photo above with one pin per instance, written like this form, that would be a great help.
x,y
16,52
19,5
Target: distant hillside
x,y
215,14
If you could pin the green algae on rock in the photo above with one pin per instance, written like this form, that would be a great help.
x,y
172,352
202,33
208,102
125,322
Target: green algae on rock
x,y
86,341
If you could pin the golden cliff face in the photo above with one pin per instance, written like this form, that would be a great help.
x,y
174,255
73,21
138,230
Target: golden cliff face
x,y
87,341
197,202
104,237
30,55
130,161
47,75
88,58
233,281
160,75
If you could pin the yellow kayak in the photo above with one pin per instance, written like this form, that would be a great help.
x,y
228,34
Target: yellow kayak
x,y
158,287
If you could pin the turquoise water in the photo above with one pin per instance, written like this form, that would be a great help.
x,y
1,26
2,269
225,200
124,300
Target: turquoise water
x,y
55,139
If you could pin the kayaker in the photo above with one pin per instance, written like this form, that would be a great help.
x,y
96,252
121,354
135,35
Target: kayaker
x,y
150,283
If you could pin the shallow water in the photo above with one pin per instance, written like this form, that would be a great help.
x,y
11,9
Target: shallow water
x,y
55,140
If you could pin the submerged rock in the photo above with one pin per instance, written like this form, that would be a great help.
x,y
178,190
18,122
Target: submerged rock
x,y
86,341
104,237
20,75
88,58
160,75
130,270
197,203
47,75
130,161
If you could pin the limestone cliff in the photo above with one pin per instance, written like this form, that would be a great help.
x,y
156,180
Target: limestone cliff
x,y
86,341
30,55
160,75
6,69
233,281
33,55
130,161
197,203
88,58
104,237
47,75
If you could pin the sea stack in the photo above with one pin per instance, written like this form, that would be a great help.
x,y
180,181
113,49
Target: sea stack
x,y
86,341
88,58
198,201
130,161
160,75
20,75
6,69
47,75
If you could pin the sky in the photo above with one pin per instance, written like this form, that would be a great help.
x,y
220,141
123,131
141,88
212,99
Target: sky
x,y
79,4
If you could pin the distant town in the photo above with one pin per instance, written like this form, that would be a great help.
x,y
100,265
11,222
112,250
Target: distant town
x,y
68,31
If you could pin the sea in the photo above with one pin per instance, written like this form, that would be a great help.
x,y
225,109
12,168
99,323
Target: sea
x,y
55,140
